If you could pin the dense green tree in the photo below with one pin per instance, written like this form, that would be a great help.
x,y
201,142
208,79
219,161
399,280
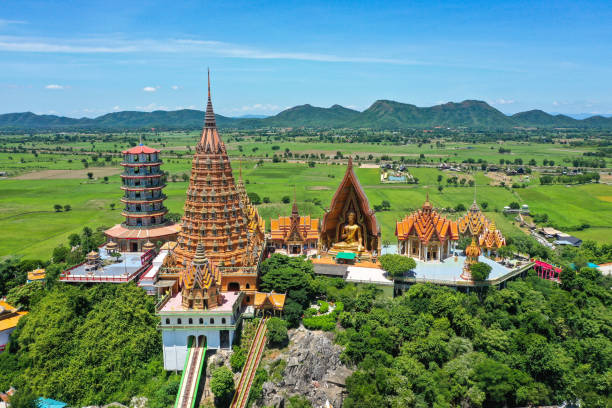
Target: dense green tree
x,y
480,271
238,358
222,385
277,332
396,265
23,398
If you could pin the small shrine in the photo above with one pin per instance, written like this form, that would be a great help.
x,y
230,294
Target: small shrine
x,y
269,303
198,283
350,226
491,239
472,252
426,235
294,235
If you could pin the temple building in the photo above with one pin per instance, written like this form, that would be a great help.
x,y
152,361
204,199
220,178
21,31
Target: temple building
x,y
219,216
426,235
143,198
350,226
491,239
475,224
294,235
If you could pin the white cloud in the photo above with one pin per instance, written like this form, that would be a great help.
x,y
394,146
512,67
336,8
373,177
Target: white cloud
x,y
149,88
205,47
116,108
175,87
54,86
154,106
4,22
504,102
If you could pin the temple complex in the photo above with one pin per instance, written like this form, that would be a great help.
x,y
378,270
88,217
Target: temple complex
x,y
144,211
294,235
350,226
426,235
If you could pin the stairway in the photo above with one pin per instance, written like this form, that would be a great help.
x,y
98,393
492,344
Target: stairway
x,y
241,396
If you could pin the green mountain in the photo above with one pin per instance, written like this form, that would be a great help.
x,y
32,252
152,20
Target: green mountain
x,y
383,114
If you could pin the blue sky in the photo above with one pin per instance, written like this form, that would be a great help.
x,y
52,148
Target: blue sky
x,y
86,58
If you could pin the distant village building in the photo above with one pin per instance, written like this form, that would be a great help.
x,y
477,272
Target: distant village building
x,y
426,235
144,211
294,235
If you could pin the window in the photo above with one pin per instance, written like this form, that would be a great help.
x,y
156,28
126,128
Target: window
x,y
223,320
190,320
178,321
167,321
212,321
248,299
201,321
248,286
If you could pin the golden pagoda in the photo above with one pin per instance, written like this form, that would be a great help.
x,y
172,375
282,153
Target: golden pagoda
x,y
214,213
491,239
218,216
472,252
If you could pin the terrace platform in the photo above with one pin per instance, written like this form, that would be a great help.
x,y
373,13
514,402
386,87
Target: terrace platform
x,y
129,266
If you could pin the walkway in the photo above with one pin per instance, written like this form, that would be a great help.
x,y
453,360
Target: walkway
x,y
190,379
241,396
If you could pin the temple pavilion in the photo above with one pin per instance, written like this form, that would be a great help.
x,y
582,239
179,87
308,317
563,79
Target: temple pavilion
x,y
294,235
475,224
350,227
143,198
426,235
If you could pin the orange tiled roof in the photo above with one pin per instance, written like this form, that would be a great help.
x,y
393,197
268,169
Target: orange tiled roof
x,y
276,300
428,225
9,317
140,149
491,238
473,222
36,274
309,227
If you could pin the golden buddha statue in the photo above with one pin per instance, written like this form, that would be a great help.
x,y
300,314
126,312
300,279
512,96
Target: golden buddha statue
x,y
351,235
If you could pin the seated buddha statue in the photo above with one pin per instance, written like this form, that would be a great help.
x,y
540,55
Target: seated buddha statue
x,y
351,236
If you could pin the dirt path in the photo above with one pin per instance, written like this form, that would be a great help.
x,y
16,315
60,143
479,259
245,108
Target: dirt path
x,y
98,172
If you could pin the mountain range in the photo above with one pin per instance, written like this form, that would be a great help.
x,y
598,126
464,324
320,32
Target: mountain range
x,y
382,114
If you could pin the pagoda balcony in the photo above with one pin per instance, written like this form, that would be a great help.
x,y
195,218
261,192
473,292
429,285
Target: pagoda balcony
x,y
133,213
141,175
127,199
142,186
139,164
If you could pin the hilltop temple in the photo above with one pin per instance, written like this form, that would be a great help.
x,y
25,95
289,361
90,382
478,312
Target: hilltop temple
x,y
144,211
349,226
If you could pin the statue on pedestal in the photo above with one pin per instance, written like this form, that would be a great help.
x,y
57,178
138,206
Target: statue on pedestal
x,y
351,236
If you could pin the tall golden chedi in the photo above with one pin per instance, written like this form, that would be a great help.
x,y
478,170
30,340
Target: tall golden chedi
x,y
217,217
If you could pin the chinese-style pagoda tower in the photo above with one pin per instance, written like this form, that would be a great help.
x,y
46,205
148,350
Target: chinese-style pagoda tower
x,y
144,211
214,214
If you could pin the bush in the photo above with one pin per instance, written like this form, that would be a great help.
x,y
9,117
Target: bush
x,y
396,265
222,384
323,307
480,271
238,358
254,197
286,199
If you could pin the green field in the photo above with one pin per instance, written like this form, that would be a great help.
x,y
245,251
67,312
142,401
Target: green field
x,y
32,228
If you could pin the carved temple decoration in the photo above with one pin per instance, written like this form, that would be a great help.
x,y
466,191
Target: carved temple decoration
x,y
472,252
350,224
199,283
295,234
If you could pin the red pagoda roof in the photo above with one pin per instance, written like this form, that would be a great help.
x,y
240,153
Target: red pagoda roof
x,y
141,149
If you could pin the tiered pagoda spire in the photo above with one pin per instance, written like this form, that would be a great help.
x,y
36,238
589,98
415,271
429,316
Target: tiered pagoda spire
x,y
214,214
